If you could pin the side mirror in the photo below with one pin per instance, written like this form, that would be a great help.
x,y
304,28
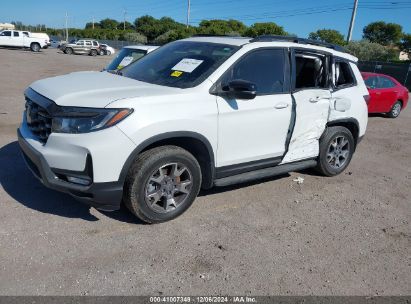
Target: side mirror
x,y
241,89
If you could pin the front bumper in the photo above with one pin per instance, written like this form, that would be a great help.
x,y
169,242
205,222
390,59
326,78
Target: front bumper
x,y
104,196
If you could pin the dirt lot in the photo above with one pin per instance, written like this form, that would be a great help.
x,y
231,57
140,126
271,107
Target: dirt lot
x,y
347,235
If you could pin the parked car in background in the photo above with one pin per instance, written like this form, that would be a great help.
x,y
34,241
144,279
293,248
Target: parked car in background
x,y
129,54
387,95
107,50
84,46
19,39
196,113
39,35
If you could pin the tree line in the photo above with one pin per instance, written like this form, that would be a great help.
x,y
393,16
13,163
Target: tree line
x,y
381,41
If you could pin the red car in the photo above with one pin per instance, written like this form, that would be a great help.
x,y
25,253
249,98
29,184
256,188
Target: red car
x,y
387,95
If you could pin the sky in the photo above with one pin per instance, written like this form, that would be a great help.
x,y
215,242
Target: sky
x,y
298,17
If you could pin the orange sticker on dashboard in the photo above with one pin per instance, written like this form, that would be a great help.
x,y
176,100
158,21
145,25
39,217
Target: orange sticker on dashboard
x,y
176,73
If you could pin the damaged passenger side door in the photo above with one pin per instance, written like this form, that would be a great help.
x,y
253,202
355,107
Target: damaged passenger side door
x,y
311,100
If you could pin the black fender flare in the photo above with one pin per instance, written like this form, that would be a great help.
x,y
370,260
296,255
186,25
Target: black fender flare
x,y
165,136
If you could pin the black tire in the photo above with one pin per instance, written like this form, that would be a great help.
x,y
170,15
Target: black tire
x,y
395,110
333,135
141,173
101,53
35,47
68,51
108,53
93,53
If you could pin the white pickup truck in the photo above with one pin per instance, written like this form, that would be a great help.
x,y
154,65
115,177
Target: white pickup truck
x,y
11,38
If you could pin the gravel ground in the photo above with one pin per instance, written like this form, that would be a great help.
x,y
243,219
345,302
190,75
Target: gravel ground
x,y
347,235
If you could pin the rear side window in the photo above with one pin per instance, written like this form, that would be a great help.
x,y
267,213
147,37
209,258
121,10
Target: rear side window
x,y
16,34
88,42
95,43
265,68
385,83
344,76
310,71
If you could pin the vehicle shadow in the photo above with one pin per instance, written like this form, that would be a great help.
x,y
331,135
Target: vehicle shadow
x,y
382,115
20,184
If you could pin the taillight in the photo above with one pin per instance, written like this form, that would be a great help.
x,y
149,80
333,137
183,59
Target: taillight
x,y
367,99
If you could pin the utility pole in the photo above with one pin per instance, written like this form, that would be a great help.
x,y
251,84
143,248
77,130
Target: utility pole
x,y
93,22
66,27
188,13
124,23
354,13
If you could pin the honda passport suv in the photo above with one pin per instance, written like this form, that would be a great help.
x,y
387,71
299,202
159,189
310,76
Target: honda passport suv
x,y
196,113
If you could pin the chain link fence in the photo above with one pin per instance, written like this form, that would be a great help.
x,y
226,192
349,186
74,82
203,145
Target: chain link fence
x,y
400,71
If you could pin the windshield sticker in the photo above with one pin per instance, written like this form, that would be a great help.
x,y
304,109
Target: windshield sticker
x,y
187,65
125,62
176,73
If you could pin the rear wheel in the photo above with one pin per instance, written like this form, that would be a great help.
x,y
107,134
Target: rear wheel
x,y
336,149
395,110
162,183
93,53
35,47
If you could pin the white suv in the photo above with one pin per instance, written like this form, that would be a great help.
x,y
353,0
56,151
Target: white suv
x,y
196,113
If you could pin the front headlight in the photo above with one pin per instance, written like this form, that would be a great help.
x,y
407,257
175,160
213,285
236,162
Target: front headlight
x,y
83,120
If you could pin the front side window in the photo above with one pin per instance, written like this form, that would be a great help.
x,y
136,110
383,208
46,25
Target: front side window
x,y
6,33
343,75
371,82
180,64
265,68
88,42
311,72
95,43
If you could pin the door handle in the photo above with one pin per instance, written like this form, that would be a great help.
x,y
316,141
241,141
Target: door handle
x,y
313,100
281,105
318,98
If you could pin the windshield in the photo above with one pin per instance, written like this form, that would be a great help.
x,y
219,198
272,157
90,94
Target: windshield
x,y
124,58
180,64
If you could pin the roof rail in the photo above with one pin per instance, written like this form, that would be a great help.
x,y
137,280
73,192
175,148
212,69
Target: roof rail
x,y
211,35
269,38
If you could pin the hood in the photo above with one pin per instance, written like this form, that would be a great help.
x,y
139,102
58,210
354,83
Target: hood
x,y
96,89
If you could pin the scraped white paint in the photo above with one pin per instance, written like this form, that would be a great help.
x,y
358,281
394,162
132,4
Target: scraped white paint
x,y
312,111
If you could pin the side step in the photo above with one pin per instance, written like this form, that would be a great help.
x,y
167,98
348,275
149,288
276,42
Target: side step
x,y
266,172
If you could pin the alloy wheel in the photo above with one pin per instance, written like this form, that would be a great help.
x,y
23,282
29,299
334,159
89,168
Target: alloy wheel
x,y
338,152
396,109
168,187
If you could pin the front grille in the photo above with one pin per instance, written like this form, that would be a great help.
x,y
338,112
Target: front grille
x,y
38,120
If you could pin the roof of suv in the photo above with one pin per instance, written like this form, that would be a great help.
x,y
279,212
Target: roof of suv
x,y
283,41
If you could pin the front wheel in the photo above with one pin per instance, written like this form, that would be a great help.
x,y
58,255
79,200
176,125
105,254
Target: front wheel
x,y
35,47
395,110
162,183
108,53
336,149
68,51
93,53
